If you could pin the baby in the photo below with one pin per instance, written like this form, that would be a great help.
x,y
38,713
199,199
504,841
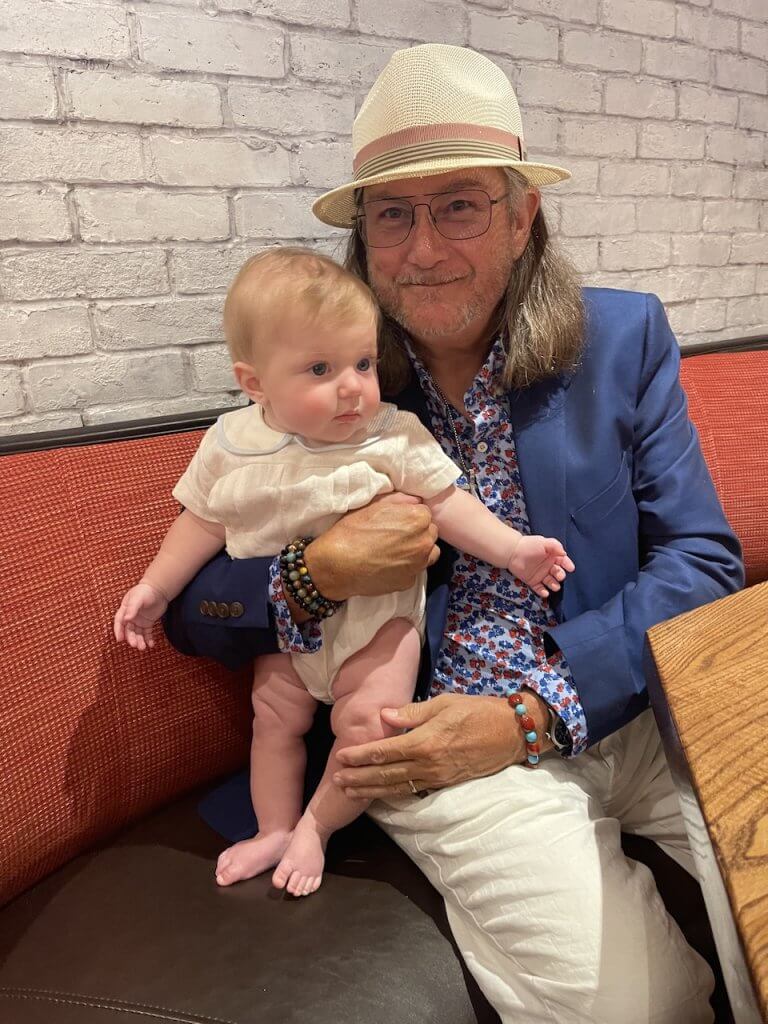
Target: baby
x,y
318,442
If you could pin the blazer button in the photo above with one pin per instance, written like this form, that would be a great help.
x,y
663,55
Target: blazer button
x,y
204,608
236,610
222,609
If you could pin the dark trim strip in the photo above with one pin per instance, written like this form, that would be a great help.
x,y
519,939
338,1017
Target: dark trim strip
x,y
151,427
753,344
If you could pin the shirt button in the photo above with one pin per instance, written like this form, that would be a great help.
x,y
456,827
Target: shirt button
x,y
482,447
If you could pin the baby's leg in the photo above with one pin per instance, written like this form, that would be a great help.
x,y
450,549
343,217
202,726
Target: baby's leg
x,y
382,675
282,713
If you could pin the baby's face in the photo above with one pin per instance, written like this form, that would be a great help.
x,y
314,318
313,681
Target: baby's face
x,y
321,383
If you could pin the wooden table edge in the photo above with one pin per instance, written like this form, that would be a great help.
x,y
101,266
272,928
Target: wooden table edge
x,y
740,980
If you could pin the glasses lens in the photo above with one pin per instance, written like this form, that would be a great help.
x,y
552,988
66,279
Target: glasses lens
x,y
462,214
387,221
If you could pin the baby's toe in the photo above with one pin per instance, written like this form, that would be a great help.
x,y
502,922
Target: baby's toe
x,y
294,885
224,875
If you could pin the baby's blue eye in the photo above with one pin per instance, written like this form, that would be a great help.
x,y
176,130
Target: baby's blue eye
x,y
364,364
319,369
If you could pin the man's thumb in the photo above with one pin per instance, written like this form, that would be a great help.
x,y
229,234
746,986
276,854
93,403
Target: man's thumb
x,y
408,715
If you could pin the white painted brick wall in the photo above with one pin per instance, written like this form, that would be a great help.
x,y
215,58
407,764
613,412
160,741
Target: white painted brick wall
x,y
680,61
210,45
423,20
146,149
148,215
154,325
65,30
27,91
33,213
142,99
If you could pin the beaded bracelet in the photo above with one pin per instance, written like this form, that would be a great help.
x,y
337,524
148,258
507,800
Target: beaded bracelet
x,y
298,584
529,729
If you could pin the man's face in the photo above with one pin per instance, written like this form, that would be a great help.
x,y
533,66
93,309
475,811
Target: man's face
x,y
438,287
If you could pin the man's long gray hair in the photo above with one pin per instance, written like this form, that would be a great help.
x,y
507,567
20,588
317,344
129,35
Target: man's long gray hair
x,y
541,314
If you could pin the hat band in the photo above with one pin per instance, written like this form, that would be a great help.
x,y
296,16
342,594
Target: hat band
x,y
429,150
450,131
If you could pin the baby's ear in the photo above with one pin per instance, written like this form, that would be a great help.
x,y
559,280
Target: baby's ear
x,y
248,381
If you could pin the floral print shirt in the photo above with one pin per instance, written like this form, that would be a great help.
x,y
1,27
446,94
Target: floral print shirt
x,y
493,640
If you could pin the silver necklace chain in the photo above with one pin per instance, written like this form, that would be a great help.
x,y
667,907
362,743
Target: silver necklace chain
x,y
467,469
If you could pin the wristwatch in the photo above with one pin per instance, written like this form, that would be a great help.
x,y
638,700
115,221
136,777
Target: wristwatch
x,y
558,733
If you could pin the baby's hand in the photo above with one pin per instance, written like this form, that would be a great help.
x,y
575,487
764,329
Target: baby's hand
x,y
541,562
139,610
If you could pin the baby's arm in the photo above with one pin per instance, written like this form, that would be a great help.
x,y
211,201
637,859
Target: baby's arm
x,y
465,522
186,547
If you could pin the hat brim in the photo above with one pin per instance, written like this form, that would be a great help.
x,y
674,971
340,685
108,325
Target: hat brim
x,y
338,207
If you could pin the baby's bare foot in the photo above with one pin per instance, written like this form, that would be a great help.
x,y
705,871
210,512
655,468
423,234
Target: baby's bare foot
x,y
251,857
300,871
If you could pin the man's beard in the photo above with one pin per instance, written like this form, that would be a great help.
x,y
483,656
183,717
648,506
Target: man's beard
x,y
393,305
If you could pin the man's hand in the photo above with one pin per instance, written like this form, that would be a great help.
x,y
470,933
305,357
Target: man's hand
x,y
374,550
453,738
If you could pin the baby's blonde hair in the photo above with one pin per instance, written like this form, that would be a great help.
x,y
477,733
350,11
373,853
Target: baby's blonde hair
x,y
275,285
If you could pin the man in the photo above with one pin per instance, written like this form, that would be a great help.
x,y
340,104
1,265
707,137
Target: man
x,y
565,412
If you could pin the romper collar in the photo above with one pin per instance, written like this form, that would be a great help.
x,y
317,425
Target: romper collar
x,y
245,432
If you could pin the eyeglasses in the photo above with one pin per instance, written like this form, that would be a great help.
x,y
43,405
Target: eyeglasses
x,y
464,214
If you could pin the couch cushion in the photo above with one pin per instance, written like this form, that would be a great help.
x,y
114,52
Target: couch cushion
x,y
140,928
94,735
728,402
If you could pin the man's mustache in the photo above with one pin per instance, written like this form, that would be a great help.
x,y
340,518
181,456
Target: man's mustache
x,y
425,280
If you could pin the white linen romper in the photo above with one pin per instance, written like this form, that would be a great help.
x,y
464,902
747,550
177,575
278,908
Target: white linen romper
x,y
267,488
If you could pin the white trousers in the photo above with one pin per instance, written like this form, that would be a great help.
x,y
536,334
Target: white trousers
x,y
554,922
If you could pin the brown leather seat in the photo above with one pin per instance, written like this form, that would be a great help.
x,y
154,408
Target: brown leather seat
x,y
140,927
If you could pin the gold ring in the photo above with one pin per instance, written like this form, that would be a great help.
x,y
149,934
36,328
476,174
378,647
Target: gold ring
x,y
413,788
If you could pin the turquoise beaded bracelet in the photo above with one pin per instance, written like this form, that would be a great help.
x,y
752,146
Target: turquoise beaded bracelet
x,y
527,724
298,584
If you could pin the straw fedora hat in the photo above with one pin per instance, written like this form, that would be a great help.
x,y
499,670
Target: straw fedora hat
x,y
432,109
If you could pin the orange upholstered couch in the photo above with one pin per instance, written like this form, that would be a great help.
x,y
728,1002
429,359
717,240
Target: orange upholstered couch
x,y
111,910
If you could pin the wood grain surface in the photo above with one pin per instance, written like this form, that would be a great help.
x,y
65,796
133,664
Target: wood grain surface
x,y
712,667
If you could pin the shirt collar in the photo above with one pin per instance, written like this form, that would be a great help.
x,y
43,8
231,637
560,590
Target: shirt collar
x,y
489,378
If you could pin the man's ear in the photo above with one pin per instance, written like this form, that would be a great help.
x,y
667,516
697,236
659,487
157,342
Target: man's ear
x,y
248,381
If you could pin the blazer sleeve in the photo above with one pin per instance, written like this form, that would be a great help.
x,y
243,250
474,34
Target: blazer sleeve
x,y
688,553
232,641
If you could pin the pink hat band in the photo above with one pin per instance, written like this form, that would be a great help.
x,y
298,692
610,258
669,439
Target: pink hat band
x,y
429,140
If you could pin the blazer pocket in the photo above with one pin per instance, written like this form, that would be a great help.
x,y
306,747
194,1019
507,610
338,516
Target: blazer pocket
x,y
605,501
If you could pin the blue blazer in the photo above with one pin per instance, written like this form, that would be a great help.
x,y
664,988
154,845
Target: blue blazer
x,y
610,465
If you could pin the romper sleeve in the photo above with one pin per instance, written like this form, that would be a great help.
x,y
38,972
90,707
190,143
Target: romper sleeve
x,y
421,467
193,490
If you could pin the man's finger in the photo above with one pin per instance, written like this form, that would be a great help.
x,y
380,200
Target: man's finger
x,y
382,792
434,554
379,752
410,715
387,777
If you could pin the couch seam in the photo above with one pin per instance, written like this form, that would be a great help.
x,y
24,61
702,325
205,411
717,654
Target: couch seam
x,y
115,1005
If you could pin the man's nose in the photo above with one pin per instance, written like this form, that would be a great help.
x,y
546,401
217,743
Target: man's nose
x,y
425,245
